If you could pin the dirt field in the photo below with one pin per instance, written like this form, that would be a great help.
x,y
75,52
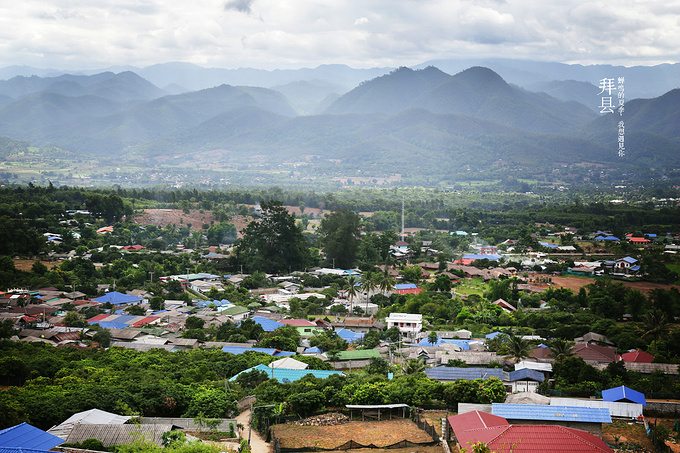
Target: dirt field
x,y
575,283
378,433
163,217
25,265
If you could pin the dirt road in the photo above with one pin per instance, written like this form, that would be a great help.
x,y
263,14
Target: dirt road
x,y
257,443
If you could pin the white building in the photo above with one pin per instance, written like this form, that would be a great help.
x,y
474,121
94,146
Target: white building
x,y
408,324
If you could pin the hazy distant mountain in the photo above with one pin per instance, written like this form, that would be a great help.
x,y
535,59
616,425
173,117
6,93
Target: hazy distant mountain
x,y
477,92
570,90
307,95
122,87
640,81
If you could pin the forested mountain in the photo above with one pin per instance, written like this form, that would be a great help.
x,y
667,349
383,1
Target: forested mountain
x,y
423,122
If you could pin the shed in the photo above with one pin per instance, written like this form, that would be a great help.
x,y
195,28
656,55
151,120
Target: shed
x,y
624,394
118,434
378,411
589,419
90,417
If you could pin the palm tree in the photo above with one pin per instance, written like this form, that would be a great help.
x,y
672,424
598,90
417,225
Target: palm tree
x,y
561,349
385,282
655,324
515,347
413,366
367,286
351,291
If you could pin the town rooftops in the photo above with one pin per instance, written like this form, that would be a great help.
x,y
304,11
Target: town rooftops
x,y
540,412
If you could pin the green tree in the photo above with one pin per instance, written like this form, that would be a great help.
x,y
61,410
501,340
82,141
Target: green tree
x,y
274,243
515,347
414,366
339,233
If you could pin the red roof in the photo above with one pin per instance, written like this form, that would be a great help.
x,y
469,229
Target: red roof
x,y
639,240
98,318
409,291
475,420
298,322
594,353
541,353
636,357
147,320
534,439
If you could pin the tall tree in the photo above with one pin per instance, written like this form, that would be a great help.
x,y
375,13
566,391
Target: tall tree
x,y
273,243
339,232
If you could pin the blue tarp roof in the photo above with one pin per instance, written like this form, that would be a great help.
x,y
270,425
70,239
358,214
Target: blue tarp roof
x,y
313,350
492,335
241,350
624,394
28,436
550,246
525,373
540,412
117,298
447,373
267,324
285,375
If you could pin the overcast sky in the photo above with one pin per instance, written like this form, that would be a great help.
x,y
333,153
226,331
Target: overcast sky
x,y
269,34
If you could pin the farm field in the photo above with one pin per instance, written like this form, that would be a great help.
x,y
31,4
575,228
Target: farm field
x,y
378,433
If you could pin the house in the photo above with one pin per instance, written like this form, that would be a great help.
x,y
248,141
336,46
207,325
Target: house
x,y
358,324
268,325
626,265
507,307
408,324
354,359
500,436
594,353
236,313
286,375
588,419
525,380
89,417
289,363
594,338
450,374
304,327
636,356
116,298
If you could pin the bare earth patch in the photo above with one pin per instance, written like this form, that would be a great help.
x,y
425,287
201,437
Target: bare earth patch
x,y
378,433
25,265
575,283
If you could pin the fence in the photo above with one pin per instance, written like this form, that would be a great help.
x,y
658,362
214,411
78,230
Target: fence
x,y
425,426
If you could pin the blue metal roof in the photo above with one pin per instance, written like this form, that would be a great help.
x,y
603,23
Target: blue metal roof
x,y
492,335
445,373
540,412
313,350
405,286
624,394
629,260
349,336
117,298
28,436
472,256
286,375
526,373
240,350
111,324
267,324
464,344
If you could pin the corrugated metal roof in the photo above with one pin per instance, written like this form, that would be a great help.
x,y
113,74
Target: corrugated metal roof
x,y
445,373
623,393
22,450
240,350
28,436
616,408
90,417
363,354
118,434
535,439
267,325
526,373
474,420
285,375
552,413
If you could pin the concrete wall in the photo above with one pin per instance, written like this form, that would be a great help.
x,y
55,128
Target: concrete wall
x,y
662,408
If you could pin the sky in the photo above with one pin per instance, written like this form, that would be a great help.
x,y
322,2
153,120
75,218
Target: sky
x,y
270,34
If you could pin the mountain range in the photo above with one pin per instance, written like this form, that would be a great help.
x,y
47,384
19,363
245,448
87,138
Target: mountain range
x,y
423,121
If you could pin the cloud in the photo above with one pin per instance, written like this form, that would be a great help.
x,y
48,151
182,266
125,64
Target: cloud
x,y
361,21
242,6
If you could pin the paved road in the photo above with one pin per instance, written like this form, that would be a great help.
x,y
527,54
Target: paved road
x,y
257,443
